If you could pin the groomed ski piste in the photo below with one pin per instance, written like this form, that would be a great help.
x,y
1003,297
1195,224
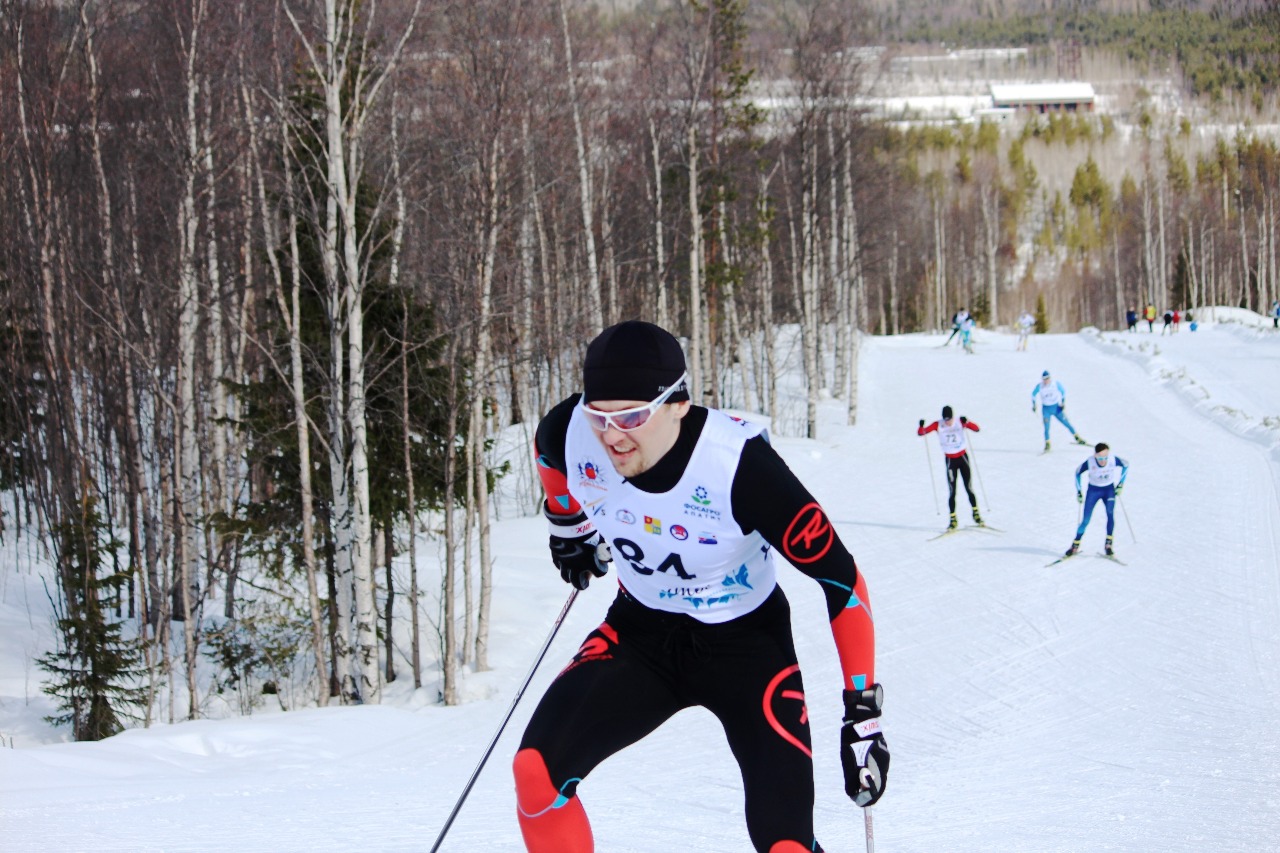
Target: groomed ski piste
x,y
1086,706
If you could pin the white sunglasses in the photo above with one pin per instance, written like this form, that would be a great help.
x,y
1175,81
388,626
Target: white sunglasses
x,y
627,420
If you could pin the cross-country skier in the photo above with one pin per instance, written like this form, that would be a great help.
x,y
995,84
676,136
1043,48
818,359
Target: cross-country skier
x,y
1106,480
1053,404
690,504
966,334
956,449
1026,322
957,321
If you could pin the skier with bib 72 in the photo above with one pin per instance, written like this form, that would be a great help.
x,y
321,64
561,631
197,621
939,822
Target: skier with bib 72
x,y
956,449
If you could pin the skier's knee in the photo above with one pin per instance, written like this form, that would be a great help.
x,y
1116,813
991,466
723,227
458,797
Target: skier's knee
x,y
535,792
788,847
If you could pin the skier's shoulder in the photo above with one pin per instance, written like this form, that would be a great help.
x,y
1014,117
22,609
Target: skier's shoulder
x,y
553,429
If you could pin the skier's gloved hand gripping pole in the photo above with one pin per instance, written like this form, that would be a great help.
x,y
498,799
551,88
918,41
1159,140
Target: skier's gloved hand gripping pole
x,y
577,549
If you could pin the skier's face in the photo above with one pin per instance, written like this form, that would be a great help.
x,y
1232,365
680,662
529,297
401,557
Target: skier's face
x,y
636,451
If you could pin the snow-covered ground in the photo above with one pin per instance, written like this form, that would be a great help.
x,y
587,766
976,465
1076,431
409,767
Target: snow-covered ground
x,y
1084,706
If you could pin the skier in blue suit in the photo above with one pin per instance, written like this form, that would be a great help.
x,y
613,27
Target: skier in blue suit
x,y
1106,480
1053,404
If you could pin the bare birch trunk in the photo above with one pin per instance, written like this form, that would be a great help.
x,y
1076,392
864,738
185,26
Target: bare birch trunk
x,y
584,179
188,462
696,379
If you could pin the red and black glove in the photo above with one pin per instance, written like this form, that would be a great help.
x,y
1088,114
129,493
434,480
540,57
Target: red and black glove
x,y
577,549
864,755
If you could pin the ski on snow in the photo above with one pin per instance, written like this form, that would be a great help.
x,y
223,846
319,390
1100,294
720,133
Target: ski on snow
x,y
985,528
1110,557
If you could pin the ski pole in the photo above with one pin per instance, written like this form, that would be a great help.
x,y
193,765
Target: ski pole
x,y
564,611
977,475
1125,513
933,479
866,821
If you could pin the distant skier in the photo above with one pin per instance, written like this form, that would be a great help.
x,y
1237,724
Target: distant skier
x,y
1026,322
1106,480
1275,314
954,446
1131,319
1149,314
957,321
1053,404
966,334
1168,322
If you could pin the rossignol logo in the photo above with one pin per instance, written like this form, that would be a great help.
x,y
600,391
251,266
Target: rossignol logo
x,y
809,536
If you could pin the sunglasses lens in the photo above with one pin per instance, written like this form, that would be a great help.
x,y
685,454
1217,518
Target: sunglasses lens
x,y
626,421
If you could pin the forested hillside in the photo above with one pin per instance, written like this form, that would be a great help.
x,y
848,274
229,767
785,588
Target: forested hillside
x,y
273,283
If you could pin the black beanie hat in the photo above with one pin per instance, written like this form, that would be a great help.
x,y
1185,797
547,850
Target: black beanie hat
x,y
633,360
946,412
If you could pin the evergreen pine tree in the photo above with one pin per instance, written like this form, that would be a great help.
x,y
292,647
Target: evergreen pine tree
x,y
93,675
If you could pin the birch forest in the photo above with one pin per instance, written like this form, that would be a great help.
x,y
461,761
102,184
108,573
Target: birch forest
x,y
275,275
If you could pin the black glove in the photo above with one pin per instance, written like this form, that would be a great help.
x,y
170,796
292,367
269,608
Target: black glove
x,y
578,551
864,755
963,420
922,423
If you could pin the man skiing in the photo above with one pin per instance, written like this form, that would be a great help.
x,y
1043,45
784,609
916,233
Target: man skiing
x,y
690,504
957,322
1026,322
966,334
1106,480
956,449
1053,404
1149,314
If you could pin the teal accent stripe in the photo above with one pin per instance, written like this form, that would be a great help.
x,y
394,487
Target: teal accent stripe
x,y
859,681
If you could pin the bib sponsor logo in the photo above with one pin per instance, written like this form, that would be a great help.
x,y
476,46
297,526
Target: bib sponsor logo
x,y
706,538
701,505
679,532
653,525
591,475
626,517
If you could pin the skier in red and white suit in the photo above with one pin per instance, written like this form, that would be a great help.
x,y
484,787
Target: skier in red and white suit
x,y
690,505
954,446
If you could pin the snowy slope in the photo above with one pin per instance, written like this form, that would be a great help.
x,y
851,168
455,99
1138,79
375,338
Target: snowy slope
x,y
1087,706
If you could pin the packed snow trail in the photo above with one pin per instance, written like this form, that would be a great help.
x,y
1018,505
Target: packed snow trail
x,y
1086,706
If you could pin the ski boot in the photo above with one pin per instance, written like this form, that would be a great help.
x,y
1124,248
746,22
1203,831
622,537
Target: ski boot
x,y
1046,445
977,518
1074,549
1078,439
1108,549
954,524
